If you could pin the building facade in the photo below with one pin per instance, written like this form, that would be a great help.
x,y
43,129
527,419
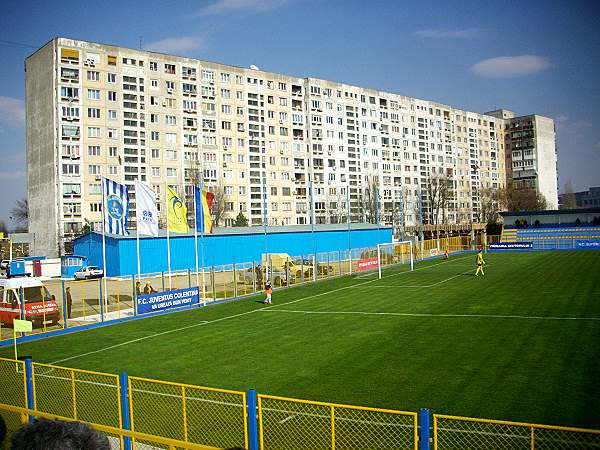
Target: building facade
x,y
293,150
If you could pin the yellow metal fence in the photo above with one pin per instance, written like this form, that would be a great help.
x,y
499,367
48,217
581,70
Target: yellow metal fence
x,y
453,432
180,416
201,415
293,424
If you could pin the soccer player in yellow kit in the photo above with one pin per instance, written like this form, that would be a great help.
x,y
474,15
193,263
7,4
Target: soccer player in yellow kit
x,y
480,263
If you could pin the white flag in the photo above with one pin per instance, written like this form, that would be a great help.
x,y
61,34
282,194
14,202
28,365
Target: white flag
x,y
146,211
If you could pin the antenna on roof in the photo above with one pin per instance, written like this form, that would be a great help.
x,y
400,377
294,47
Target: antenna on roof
x,y
141,40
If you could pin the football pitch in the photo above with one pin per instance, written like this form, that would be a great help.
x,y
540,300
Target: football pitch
x,y
521,343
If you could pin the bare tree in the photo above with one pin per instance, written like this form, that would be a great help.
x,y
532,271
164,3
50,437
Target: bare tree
x,y
439,191
218,205
336,208
20,214
369,203
489,199
521,199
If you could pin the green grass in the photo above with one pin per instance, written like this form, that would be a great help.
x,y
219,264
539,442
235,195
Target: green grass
x,y
497,346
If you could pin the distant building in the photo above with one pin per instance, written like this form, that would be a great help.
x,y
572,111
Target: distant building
x,y
589,198
302,149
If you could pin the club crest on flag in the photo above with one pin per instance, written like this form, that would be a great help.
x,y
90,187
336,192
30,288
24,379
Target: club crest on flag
x,y
114,207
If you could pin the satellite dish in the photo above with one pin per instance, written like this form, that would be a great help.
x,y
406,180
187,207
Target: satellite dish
x,y
253,67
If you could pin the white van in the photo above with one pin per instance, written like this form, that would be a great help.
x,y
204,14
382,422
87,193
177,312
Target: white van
x,y
39,306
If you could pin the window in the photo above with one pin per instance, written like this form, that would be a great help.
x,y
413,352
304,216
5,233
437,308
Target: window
x,y
111,60
93,132
170,120
153,66
69,92
154,135
156,172
93,150
94,169
71,189
70,112
171,172
112,96
113,170
225,77
112,133
172,155
93,75
111,77
94,113
70,131
70,169
171,138
169,68
155,153
93,94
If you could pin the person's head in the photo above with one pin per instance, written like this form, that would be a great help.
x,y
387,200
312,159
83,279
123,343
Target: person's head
x,y
44,434
137,283
68,289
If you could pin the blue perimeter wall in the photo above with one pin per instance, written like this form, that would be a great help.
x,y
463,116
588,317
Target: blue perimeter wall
x,y
219,249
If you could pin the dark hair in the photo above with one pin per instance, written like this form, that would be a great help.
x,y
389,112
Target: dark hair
x,y
44,434
2,430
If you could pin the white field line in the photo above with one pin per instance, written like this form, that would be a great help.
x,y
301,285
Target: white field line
x,y
473,316
517,436
208,322
421,286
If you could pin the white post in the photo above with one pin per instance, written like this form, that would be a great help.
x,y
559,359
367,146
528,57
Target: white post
x,y
168,238
411,257
137,242
379,260
105,300
196,238
202,244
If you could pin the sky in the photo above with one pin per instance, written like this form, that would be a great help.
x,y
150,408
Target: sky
x,y
533,57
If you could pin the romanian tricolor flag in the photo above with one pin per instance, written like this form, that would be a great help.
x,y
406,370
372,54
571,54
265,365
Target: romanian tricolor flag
x,y
204,202
177,213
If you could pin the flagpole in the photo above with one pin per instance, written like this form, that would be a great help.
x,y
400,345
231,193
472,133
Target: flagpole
x,y
137,231
202,240
105,299
168,241
196,237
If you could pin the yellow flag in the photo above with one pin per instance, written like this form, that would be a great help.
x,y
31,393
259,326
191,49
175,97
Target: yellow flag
x,y
177,213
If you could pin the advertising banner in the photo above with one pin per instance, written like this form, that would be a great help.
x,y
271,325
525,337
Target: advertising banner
x,y
588,244
162,301
367,263
511,245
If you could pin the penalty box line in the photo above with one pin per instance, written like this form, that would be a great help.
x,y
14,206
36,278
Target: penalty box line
x,y
420,286
468,316
234,316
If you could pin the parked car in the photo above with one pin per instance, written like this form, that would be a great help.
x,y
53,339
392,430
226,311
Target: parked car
x,y
39,306
88,272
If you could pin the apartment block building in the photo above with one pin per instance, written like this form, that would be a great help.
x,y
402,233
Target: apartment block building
x,y
297,149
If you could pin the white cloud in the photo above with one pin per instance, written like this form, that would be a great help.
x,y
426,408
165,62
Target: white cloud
x,y
510,66
176,45
12,112
449,34
226,6
12,175
565,125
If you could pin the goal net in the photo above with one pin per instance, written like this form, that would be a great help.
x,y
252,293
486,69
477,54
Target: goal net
x,y
394,254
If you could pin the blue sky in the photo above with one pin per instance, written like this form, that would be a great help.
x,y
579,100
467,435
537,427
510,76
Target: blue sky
x,y
538,57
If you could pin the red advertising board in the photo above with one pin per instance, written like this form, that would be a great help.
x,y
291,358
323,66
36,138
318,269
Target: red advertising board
x,y
367,263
